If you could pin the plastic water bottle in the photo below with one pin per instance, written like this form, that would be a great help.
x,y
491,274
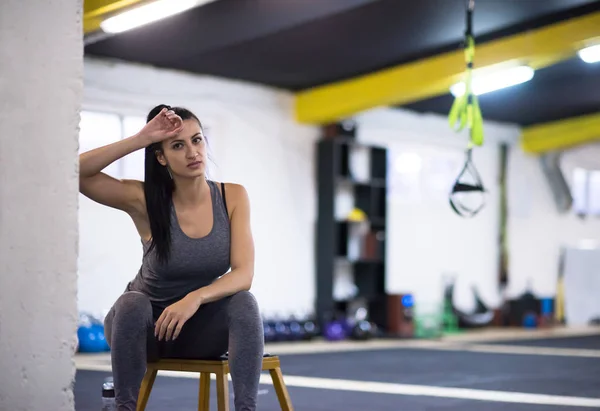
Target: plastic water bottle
x,y
108,395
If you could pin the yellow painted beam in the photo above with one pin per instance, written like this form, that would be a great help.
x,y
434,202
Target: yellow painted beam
x,y
561,134
433,76
94,11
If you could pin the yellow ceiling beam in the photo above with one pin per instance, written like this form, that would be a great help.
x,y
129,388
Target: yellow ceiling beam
x,y
94,11
561,134
433,76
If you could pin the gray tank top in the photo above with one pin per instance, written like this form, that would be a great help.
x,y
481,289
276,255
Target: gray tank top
x,y
193,263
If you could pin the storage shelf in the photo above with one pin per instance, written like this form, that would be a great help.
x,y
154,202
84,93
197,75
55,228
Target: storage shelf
x,y
377,182
351,175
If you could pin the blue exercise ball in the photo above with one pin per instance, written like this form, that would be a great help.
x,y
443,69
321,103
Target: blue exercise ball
x,y
91,338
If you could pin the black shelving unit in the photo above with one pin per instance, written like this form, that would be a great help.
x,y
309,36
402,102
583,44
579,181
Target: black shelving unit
x,y
334,231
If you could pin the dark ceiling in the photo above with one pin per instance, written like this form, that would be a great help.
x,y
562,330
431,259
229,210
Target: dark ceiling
x,y
298,44
567,89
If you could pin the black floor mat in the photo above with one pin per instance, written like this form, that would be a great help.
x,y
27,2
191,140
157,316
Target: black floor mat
x,y
588,342
537,374
180,394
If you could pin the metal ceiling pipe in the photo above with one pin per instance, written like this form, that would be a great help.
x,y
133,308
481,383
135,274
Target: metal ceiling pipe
x,y
561,192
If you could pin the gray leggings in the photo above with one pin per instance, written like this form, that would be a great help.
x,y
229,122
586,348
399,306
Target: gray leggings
x,y
231,324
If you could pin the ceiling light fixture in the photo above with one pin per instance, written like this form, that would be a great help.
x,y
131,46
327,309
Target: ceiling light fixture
x,y
590,54
147,13
495,81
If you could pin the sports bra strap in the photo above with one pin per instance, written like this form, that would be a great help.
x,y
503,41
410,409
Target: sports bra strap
x,y
224,199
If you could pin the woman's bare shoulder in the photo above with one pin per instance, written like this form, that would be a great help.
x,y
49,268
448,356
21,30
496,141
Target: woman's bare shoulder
x,y
235,195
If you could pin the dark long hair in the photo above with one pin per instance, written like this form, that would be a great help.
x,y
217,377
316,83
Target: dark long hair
x,y
158,189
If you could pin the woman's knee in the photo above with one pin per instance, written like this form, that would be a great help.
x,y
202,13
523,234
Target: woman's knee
x,y
244,304
134,303
131,307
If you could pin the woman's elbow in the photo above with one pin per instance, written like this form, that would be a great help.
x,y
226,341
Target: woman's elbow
x,y
248,278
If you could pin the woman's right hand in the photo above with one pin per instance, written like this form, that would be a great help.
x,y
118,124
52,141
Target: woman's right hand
x,y
165,125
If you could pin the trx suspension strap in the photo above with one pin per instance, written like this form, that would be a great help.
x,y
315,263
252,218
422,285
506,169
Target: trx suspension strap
x,y
476,187
465,112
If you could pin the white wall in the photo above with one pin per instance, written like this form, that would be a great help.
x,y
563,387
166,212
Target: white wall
x,y
40,84
533,235
537,231
426,239
254,141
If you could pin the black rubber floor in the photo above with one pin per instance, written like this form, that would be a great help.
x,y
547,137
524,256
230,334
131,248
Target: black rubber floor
x,y
180,394
591,342
537,374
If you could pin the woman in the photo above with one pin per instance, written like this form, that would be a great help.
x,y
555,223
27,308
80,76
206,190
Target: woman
x,y
183,303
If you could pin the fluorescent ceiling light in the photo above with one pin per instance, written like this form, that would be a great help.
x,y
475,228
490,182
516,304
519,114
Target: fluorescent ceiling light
x,y
495,81
147,13
590,54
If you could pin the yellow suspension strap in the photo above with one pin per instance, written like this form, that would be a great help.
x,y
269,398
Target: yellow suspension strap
x,y
465,112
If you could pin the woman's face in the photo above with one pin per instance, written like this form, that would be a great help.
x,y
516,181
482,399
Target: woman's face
x,y
185,154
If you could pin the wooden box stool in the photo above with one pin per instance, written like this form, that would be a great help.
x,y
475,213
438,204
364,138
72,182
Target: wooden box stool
x,y
218,367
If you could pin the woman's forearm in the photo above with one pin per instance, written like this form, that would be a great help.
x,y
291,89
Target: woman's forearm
x,y
94,161
228,284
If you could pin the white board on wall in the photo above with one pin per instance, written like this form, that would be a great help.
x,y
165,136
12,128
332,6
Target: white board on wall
x,y
582,285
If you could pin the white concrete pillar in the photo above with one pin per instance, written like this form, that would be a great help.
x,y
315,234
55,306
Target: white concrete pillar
x,y
41,70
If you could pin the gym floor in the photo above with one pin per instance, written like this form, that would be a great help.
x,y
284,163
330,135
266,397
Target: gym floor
x,y
517,370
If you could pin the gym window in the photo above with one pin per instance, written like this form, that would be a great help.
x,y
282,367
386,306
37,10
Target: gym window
x,y
100,128
585,190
